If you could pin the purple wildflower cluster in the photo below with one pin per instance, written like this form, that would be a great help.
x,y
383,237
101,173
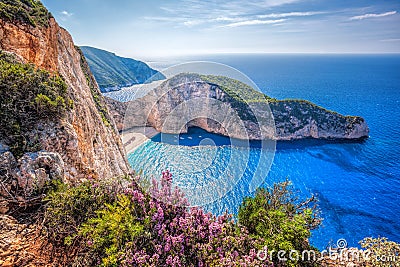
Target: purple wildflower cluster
x,y
175,235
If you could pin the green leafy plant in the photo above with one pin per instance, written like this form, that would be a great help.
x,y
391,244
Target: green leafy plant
x,y
28,95
134,229
278,217
67,207
103,225
31,12
236,89
113,229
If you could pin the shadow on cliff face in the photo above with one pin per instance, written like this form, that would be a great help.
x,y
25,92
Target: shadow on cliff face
x,y
199,137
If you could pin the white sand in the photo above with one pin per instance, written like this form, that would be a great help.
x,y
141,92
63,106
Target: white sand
x,y
136,136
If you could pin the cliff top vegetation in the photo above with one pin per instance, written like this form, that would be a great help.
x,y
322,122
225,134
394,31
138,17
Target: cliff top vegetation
x,y
31,12
27,96
244,94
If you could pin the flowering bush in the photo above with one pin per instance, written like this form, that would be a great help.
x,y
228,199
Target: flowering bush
x,y
118,224
159,230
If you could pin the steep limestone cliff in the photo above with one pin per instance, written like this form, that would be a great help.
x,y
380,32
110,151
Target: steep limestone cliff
x,y
297,119
293,119
84,142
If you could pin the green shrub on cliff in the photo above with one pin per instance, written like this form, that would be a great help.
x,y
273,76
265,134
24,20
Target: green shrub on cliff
x,y
236,89
27,95
67,207
112,71
31,12
276,216
114,228
304,110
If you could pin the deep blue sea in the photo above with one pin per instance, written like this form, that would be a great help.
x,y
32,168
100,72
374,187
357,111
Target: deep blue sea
x,y
358,184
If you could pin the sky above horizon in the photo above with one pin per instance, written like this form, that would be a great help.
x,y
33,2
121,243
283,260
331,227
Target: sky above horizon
x,y
158,28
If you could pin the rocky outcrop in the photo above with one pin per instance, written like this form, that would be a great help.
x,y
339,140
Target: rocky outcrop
x,y
86,138
37,45
14,243
190,100
117,111
297,119
24,179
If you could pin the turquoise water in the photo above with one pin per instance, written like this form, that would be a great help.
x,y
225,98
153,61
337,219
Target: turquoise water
x,y
358,184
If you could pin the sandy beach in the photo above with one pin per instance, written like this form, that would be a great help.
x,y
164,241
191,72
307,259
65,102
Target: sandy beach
x,y
134,137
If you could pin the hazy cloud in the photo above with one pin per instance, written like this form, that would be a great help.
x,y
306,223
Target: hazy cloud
x,y
254,22
191,23
174,27
373,15
227,19
203,8
289,14
65,15
234,13
391,40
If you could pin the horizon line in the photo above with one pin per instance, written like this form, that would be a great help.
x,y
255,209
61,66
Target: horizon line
x,y
193,54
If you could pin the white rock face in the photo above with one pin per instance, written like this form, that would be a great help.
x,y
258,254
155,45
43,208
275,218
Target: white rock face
x,y
25,178
173,107
37,168
296,119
